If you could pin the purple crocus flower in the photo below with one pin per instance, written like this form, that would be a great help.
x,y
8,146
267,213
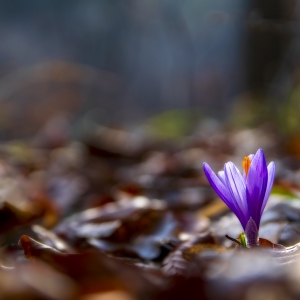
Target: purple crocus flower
x,y
246,195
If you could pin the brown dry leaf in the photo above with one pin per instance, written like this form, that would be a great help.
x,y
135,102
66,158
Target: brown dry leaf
x,y
94,272
35,281
176,264
137,238
136,227
46,281
264,243
49,238
189,253
34,249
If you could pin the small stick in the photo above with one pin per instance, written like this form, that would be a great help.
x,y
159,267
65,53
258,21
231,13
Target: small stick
x,y
234,240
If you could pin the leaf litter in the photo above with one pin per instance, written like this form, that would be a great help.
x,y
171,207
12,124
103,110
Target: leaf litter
x,y
134,217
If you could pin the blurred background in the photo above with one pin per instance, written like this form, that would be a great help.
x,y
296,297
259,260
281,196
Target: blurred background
x,y
108,109
136,62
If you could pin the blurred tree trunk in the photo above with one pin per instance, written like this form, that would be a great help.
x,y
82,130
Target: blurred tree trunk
x,y
268,38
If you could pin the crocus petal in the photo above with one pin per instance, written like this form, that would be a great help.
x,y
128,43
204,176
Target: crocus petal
x,y
256,185
251,233
219,188
271,175
251,156
237,188
221,176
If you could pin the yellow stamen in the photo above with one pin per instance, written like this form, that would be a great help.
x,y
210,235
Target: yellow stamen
x,y
246,164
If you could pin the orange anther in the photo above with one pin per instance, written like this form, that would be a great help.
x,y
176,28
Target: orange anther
x,y
246,164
